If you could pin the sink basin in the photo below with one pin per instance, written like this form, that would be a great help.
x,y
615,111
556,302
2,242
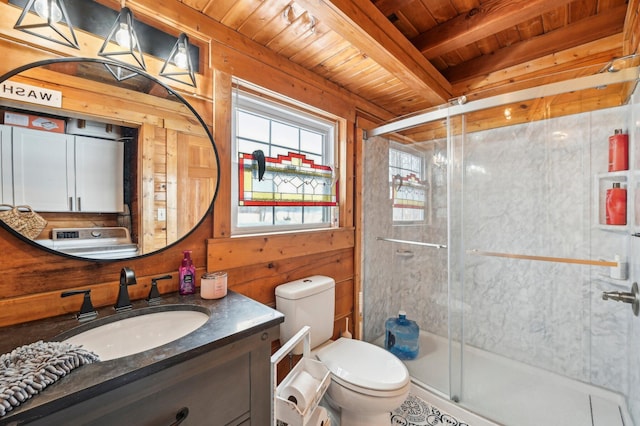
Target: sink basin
x,y
135,331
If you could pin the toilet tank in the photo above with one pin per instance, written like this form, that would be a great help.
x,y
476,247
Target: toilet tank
x,y
307,301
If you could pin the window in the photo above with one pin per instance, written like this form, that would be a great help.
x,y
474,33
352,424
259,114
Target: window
x,y
407,186
285,175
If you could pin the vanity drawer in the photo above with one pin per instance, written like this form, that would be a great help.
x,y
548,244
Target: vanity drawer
x,y
214,393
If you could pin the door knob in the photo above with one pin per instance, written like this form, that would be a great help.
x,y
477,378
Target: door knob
x,y
632,297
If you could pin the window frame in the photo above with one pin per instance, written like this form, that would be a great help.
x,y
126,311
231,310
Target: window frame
x,y
274,107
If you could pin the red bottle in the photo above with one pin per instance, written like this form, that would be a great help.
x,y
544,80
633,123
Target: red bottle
x,y
616,205
618,151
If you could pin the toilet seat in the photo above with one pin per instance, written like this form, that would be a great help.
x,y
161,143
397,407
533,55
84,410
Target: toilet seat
x,y
365,368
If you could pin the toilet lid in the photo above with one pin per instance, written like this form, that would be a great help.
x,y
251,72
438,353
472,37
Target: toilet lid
x,y
364,365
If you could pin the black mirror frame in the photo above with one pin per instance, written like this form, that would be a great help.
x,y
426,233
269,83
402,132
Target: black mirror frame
x,y
170,91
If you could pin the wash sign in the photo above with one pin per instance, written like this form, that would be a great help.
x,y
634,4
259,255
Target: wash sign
x,y
31,94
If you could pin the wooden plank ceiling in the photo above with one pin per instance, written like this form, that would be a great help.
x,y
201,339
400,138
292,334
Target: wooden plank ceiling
x,y
409,55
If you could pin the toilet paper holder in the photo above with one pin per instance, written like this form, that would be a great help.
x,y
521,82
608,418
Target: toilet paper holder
x,y
316,381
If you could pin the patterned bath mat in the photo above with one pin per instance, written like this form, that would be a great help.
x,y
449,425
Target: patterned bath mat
x,y
416,412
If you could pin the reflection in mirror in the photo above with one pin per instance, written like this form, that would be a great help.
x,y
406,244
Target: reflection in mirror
x,y
118,169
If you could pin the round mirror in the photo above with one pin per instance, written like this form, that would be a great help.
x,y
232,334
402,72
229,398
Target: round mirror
x,y
101,161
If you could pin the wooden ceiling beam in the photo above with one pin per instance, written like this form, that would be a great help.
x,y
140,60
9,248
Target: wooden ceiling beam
x,y
490,18
543,71
360,22
387,7
631,41
584,31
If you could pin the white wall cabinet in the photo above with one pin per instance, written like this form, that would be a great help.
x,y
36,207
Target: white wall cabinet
x,y
99,175
6,168
55,172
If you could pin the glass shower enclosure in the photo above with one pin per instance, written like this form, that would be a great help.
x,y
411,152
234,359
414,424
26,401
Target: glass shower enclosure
x,y
505,267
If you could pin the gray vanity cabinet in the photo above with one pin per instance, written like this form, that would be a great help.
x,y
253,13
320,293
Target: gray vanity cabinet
x,y
226,386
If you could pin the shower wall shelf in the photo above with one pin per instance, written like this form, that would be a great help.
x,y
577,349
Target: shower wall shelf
x,y
633,200
604,181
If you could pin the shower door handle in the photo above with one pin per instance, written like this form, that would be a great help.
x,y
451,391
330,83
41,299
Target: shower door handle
x,y
632,297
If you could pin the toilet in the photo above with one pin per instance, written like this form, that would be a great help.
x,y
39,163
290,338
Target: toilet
x,y
367,382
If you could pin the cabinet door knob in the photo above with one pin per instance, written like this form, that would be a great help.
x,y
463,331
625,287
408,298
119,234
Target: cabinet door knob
x,y
181,416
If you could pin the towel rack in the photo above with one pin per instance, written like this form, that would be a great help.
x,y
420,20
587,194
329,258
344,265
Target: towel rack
x,y
415,243
545,258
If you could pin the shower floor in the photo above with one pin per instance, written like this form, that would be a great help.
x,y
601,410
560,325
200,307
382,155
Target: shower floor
x,y
510,392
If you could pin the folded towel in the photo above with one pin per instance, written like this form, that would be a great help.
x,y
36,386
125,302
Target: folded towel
x,y
29,369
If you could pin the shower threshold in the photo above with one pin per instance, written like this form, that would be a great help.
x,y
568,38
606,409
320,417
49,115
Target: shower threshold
x,y
510,392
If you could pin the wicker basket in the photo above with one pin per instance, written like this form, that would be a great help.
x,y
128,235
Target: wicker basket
x,y
23,220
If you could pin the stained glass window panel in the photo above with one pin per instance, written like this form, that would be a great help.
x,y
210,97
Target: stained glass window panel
x,y
289,180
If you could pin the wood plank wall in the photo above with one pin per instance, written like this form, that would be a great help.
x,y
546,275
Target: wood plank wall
x,y
32,279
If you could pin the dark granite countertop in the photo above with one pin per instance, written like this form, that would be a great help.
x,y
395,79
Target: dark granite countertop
x,y
232,318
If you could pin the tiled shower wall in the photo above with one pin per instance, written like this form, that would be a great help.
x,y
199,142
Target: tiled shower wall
x,y
524,189
399,276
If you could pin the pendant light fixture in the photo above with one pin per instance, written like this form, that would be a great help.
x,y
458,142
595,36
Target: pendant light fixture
x,y
48,22
122,45
178,66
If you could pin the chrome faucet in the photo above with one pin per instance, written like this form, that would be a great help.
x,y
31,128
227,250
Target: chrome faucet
x,y
127,278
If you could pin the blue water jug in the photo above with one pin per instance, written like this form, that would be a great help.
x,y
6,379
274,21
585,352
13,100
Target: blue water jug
x,y
401,337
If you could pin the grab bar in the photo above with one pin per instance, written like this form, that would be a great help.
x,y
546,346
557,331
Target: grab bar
x,y
545,258
415,243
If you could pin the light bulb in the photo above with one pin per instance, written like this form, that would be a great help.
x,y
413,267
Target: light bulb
x,y
48,10
123,37
180,58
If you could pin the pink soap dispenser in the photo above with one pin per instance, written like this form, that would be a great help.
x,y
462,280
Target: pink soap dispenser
x,y
187,274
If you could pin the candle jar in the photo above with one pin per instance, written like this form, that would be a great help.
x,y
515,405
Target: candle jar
x,y
213,285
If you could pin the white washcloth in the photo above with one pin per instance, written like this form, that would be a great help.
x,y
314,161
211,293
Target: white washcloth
x,y
27,370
